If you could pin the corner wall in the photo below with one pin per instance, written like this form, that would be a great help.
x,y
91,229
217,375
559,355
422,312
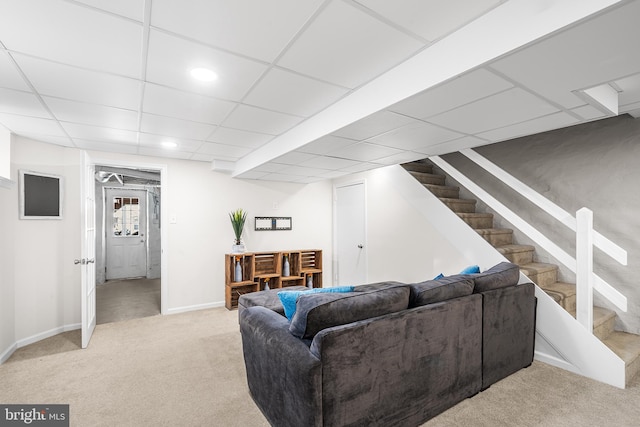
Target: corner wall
x,y
402,244
45,282
40,285
7,309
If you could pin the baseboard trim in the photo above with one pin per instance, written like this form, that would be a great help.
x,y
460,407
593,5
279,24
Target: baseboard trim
x,y
47,334
187,308
35,338
8,352
554,361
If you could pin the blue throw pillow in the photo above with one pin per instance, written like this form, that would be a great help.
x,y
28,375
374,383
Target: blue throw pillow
x,y
289,298
439,276
472,269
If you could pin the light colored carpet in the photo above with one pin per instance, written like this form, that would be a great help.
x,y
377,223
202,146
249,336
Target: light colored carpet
x,y
118,300
187,370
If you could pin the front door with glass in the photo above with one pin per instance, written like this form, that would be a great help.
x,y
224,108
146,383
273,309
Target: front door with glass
x,y
126,225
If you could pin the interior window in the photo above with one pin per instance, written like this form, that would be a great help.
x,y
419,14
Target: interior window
x,y
126,216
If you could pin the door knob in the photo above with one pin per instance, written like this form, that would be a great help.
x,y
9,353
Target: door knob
x,y
90,261
360,246
80,261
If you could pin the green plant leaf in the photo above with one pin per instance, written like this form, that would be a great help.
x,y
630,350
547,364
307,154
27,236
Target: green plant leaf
x,y
238,217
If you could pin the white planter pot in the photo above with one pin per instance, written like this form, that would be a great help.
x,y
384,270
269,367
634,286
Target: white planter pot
x,y
237,249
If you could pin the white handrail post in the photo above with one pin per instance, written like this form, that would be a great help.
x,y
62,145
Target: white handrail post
x,y
584,268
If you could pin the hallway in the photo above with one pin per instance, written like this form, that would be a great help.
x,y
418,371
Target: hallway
x,y
125,299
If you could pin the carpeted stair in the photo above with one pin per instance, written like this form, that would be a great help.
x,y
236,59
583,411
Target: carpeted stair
x,y
625,345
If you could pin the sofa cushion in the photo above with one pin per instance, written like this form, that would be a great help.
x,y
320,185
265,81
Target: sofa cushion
x,y
442,289
316,312
377,286
499,276
288,298
267,298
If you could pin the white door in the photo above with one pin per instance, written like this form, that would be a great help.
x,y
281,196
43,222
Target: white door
x,y
126,227
351,234
87,249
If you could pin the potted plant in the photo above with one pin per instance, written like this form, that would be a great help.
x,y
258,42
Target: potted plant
x,y
238,217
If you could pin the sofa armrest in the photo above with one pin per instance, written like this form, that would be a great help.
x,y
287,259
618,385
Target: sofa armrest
x,y
402,368
284,377
508,331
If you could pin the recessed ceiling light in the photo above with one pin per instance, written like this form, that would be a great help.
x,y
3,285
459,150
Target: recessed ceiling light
x,y
203,74
169,144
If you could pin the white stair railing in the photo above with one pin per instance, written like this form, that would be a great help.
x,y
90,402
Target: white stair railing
x,y
587,279
584,268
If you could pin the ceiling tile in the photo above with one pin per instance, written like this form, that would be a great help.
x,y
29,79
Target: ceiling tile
x,y
255,28
10,78
337,173
255,119
430,19
161,125
591,53
270,167
133,9
31,125
364,152
223,150
453,146
159,152
360,167
239,137
294,158
156,141
97,133
182,105
67,82
22,103
342,34
106,146
588,112
292,93
415,135
630,87
301,171
171,60
375,124
401,157
51,139
253,174
74,35
326,144
331,163
538,125
202,157
454,93
92,114
503,109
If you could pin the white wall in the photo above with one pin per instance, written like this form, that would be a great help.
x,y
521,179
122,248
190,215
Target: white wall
x,y
402,244
45,281
7,310
5,153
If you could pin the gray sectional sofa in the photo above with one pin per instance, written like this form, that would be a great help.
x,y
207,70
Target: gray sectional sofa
x,y
386,354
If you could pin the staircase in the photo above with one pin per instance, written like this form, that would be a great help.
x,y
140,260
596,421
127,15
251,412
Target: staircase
x,y
625,345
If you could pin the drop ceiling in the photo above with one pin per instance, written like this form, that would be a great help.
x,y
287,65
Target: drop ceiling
x,y
309,90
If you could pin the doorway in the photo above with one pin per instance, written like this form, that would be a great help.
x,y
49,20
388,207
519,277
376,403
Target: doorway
x,y
350,234
128,243
125,233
